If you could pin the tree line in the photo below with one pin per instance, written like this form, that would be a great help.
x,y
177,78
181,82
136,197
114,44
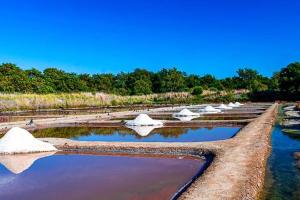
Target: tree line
x,y
141,81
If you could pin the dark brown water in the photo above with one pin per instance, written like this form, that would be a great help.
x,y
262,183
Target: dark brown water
x,y
77,177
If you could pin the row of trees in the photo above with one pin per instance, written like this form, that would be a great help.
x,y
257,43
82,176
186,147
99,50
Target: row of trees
x,y
141,81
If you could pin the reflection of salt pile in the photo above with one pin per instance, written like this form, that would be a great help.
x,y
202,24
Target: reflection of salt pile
x,y
144,130
144,120
224,107
143,124
186,118
18,163
185,113
18,140
209,110
232,105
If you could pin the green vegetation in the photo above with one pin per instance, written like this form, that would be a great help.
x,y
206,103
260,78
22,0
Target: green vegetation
x,y
54,88
197,90
294,133
140,81
72,100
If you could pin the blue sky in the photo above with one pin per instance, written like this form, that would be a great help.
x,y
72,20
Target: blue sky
x,y
196,36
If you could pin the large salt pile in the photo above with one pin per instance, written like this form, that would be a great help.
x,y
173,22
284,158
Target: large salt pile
x,y
143,130
185,113
224,107
233,105
17,163
18,140
209,110
144,120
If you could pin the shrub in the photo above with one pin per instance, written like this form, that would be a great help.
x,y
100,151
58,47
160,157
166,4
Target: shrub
x,y
197,90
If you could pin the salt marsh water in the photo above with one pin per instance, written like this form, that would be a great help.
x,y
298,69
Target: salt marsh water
x,y
283,175
77,177
123,134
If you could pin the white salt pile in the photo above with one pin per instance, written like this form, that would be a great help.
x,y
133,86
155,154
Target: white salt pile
x,y
185,113
224,107
17,163
238,103
233,105
18,140
186,118
210,110
143,130
144,120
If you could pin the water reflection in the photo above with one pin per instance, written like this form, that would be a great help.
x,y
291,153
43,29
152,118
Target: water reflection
x,y
283,178
96,176
141,134
186,118
143,130
18,163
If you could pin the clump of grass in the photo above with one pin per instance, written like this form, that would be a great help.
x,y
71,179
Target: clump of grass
x,y
295,132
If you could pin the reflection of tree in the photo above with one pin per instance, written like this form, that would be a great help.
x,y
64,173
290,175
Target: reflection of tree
x,y
292,136
71,132
171,132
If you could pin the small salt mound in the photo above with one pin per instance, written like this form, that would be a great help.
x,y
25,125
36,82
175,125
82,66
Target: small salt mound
x,y
143,120
185,113
18,140
232,105
186,118
224,107
238,104
17,163
209,109
143,130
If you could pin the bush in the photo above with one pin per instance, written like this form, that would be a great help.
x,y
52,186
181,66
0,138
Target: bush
x,y
197,90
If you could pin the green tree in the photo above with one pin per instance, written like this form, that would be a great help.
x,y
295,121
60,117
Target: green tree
x,y
289,78
13,79
37,82
138,78
120,84
142,87
103,82
171,80
252,80
197,90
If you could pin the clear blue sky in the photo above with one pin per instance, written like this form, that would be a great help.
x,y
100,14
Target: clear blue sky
x,y
197,36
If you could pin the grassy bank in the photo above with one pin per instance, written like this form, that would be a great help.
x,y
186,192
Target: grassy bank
x,y
11,102
72,100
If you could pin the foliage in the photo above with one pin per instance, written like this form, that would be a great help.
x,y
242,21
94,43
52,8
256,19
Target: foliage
x,y
143,82
197,90
289,78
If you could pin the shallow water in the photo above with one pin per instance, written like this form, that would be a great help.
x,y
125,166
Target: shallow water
x,y
202,117
98,177
283,175
127,135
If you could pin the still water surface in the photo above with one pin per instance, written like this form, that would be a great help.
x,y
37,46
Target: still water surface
x,y
140,134
283,175
77,177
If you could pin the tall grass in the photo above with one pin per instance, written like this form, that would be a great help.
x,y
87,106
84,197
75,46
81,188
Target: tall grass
x,y
71,100
18,101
